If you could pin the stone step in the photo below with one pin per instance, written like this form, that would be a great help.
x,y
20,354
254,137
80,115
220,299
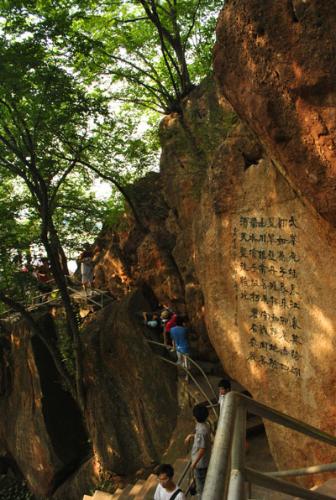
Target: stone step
x,y
136,488
117,493
125,492
148,488
102,495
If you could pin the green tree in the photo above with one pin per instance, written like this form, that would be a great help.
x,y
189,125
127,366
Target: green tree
x,y
45,114
56,137
149,53
17,234
155,50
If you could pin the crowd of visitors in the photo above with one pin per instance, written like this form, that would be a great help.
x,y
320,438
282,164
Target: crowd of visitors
x,y
174,332
200,453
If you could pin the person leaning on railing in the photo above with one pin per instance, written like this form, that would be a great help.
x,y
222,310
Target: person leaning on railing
x,y
201,448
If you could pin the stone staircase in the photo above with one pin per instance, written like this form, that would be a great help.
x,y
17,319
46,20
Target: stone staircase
x,y
189,394
142,489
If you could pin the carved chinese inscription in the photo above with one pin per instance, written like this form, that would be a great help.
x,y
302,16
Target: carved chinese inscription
x,y
266,273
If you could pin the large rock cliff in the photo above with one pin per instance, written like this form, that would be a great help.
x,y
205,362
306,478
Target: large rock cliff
x,y
274,62
238,231
249,211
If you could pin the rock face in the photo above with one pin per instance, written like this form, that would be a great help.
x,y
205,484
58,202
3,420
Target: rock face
x,y
260,256
131,393
274,63
130,413
44,445
129,255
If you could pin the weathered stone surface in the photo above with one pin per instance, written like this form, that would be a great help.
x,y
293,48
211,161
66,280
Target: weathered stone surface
x,y
131,394
130,413
274,62
268,315
128,256
44,445
85,479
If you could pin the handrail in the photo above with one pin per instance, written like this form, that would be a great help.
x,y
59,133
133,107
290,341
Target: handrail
x,y
200,369
87,297
228,440
305,471
204,375
34,305
192,378
283,486
183,473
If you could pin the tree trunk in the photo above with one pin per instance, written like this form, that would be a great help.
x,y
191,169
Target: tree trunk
x,y
52,245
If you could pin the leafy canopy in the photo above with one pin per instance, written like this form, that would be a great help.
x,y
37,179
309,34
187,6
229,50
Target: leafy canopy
x,y
149,52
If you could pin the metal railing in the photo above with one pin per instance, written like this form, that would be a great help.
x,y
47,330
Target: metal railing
x,y
42,299
181,480
184,480
227,472
88,298
189,374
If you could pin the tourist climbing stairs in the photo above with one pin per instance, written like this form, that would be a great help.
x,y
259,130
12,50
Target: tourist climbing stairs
x,y
142,489
200,388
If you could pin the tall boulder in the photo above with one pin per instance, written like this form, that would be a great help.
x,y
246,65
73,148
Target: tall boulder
x,y
131,392
131,405
41,429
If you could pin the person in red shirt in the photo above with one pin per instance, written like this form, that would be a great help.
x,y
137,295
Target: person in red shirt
x,y
166,329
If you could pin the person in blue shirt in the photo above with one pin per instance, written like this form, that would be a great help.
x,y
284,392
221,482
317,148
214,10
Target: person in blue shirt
x,y
179,336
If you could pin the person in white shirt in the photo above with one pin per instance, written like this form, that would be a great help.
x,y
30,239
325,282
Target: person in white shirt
x,y
167,489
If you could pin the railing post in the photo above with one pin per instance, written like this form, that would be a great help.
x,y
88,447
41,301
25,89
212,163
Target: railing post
x,y
215,484
237,479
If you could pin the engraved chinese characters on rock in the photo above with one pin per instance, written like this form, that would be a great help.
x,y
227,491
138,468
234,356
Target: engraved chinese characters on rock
x,y
266,273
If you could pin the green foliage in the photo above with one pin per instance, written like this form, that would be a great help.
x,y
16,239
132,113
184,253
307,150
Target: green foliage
x,y
155,50
104,485
151,51
12,489
62,64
